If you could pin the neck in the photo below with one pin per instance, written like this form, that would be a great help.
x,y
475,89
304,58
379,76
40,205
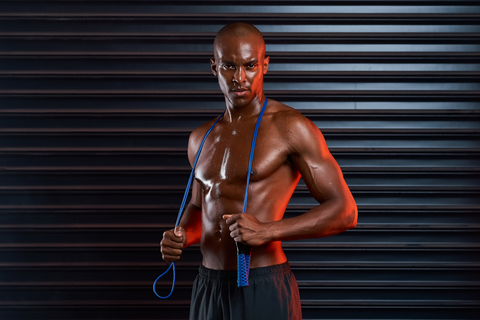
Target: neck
x,y
253,108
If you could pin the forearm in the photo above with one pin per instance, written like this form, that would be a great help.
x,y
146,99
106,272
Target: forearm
x,y
192,223
331,217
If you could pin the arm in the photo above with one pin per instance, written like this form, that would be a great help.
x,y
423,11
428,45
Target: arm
x,y
191,220
324,179
189,230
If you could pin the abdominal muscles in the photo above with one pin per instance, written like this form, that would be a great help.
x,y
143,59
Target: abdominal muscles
x,y
217,246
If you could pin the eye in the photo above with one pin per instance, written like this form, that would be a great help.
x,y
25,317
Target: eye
x,y
252,65
228,66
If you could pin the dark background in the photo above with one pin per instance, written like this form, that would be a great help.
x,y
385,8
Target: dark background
x,y
97,99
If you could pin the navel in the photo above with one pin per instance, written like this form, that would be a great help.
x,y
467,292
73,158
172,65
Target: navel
x,y
219,230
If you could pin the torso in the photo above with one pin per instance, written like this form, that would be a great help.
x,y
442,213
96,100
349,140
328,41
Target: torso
x,y
222,173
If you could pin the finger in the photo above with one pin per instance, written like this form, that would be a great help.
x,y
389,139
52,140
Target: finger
x,y
233,226
179,231
170,235
171,252
231,218
235,235
169,258
169,243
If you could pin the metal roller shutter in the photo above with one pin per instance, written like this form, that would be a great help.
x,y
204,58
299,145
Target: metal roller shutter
x,y
97,99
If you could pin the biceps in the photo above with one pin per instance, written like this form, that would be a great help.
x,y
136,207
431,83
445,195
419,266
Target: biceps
x,y
318,168
323,177
313,160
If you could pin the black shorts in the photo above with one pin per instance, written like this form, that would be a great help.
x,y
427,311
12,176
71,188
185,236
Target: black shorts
x,y
272,294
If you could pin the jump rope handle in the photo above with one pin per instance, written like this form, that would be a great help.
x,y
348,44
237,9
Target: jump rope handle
x,y
244,251
243,264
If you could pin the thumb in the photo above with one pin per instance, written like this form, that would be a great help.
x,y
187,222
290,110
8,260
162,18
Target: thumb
x,y
178,231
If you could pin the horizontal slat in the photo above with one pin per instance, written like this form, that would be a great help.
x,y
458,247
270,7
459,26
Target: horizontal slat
x,y
185,303
189,272
157,142
166,216
165,24
141,105
375,75
71,304
144,85
319,95
449,37
327,69
302,284
354,295
133,168
372,238
174,18
289,244
331,264
168,178
357,245
117,310
140,150
427,5
207,54
151,198
163,121
32,256
210,114
146,161
151,45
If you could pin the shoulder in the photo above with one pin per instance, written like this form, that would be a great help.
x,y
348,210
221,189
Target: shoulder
x,y
196,137
288,117
297,130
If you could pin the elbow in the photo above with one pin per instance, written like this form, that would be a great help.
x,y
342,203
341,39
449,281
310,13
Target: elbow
x,y
346,217
353,216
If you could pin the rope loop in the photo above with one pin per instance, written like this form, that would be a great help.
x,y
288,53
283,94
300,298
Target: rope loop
x,y
172,265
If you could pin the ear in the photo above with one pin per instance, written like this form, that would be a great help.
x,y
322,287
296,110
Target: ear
x,y
266,61
213,66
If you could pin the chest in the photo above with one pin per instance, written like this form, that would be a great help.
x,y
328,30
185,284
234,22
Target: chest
x,y
226,152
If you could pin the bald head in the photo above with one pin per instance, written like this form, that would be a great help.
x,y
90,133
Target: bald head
x,y
239,30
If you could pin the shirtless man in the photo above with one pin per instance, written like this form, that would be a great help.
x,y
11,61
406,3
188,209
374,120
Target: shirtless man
x,y
289,146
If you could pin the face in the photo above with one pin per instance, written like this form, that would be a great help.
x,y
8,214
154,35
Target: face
x,y
239,65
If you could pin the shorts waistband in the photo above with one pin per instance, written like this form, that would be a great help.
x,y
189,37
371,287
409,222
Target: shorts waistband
x,y
227,275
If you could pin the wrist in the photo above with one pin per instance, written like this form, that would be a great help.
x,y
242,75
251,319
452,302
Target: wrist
x,y
271,231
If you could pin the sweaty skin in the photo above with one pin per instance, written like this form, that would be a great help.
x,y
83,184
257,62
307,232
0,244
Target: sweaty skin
x,y
289,146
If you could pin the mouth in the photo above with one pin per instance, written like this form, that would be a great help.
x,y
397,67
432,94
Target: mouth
x,y
240,91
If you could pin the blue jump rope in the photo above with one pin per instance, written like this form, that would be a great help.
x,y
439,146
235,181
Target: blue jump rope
x,y
243,251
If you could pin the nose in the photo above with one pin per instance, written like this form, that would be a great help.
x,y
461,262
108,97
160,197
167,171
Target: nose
x,y
239,75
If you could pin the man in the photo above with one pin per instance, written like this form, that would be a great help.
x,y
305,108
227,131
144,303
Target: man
x,y
288,147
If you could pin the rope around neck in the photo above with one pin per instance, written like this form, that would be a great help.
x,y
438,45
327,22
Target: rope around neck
x,y
243,281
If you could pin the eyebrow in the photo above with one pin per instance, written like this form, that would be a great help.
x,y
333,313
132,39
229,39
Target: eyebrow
x,y
255,60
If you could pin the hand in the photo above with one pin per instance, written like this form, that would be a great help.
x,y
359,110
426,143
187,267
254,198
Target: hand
x,y
172,244
246,228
